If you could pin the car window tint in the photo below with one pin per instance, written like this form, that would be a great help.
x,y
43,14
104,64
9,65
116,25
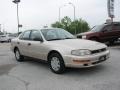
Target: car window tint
x,y
108,28
35,35
97,28
21,35
51,34
116,26
26,35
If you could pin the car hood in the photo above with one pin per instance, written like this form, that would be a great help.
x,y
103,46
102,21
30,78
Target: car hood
x,y
78,44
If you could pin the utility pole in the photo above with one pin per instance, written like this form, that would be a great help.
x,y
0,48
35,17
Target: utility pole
x,y
110,6
0,27
74,12
73,8
17,3
60,11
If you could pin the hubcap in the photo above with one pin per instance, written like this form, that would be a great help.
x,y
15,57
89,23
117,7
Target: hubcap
x,y
55,63
17,54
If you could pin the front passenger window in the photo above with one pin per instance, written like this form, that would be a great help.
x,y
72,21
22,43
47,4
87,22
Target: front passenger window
x,y
108,28
35,36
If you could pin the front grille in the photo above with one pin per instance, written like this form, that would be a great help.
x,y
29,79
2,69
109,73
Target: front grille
x,y
98,51
79,36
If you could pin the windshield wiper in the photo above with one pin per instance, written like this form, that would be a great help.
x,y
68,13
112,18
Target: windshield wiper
x,y
55,39
69,38
60,38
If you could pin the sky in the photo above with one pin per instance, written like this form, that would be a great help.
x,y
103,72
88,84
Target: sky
x,y
34,14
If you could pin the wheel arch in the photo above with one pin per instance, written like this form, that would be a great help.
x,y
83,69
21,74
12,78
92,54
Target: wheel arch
x,y
53,51
15,48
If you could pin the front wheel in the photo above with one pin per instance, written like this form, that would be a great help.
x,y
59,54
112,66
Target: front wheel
x,y
18,56
111,42
56,63
9,40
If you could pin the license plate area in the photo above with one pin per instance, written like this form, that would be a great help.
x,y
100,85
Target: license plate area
x,y
101,59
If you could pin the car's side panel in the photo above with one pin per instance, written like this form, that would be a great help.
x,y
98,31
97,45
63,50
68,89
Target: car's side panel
x,y
23,47
116,29
38,50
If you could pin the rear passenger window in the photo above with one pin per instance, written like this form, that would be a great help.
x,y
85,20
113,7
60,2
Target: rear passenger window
x,y
108,28
25,35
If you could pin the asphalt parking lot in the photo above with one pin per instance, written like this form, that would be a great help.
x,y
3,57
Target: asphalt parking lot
x,y
33,75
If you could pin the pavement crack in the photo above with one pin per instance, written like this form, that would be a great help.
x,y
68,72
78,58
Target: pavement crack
x,y
4,69
25,82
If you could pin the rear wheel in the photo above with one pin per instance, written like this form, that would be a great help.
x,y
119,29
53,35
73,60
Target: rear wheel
x,y
9,40
56,63
18,56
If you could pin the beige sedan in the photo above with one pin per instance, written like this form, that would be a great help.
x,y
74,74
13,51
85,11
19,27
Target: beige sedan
x,y
59,48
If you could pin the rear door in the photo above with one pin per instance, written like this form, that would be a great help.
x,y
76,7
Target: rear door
x,y
23,43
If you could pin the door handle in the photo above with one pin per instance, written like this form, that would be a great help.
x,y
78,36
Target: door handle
x,y
29,44
18,42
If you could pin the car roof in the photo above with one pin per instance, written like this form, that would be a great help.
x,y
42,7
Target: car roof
x,y
43,29
50,28
112,23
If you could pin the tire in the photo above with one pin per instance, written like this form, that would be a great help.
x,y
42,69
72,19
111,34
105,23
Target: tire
x,y
111,42
56,63
9,40
18,56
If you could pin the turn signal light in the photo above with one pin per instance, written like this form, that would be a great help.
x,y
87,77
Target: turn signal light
x,y
81,61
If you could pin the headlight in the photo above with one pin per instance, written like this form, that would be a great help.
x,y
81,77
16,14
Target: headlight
x,y
80,52
84,37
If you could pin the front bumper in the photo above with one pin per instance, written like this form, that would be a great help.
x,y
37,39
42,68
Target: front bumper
x,y
86,61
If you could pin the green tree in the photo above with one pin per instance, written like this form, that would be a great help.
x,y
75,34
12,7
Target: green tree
x,y
57,25
73,27
66,22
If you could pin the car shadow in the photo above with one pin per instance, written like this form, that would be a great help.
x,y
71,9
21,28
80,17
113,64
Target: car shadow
x,y
69,71
35,61
86,71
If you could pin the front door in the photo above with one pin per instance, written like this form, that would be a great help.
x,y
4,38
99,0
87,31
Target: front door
x,y
107,33
37,48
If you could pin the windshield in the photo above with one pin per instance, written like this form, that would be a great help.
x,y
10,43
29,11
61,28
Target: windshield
x,y
97,28
56,34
